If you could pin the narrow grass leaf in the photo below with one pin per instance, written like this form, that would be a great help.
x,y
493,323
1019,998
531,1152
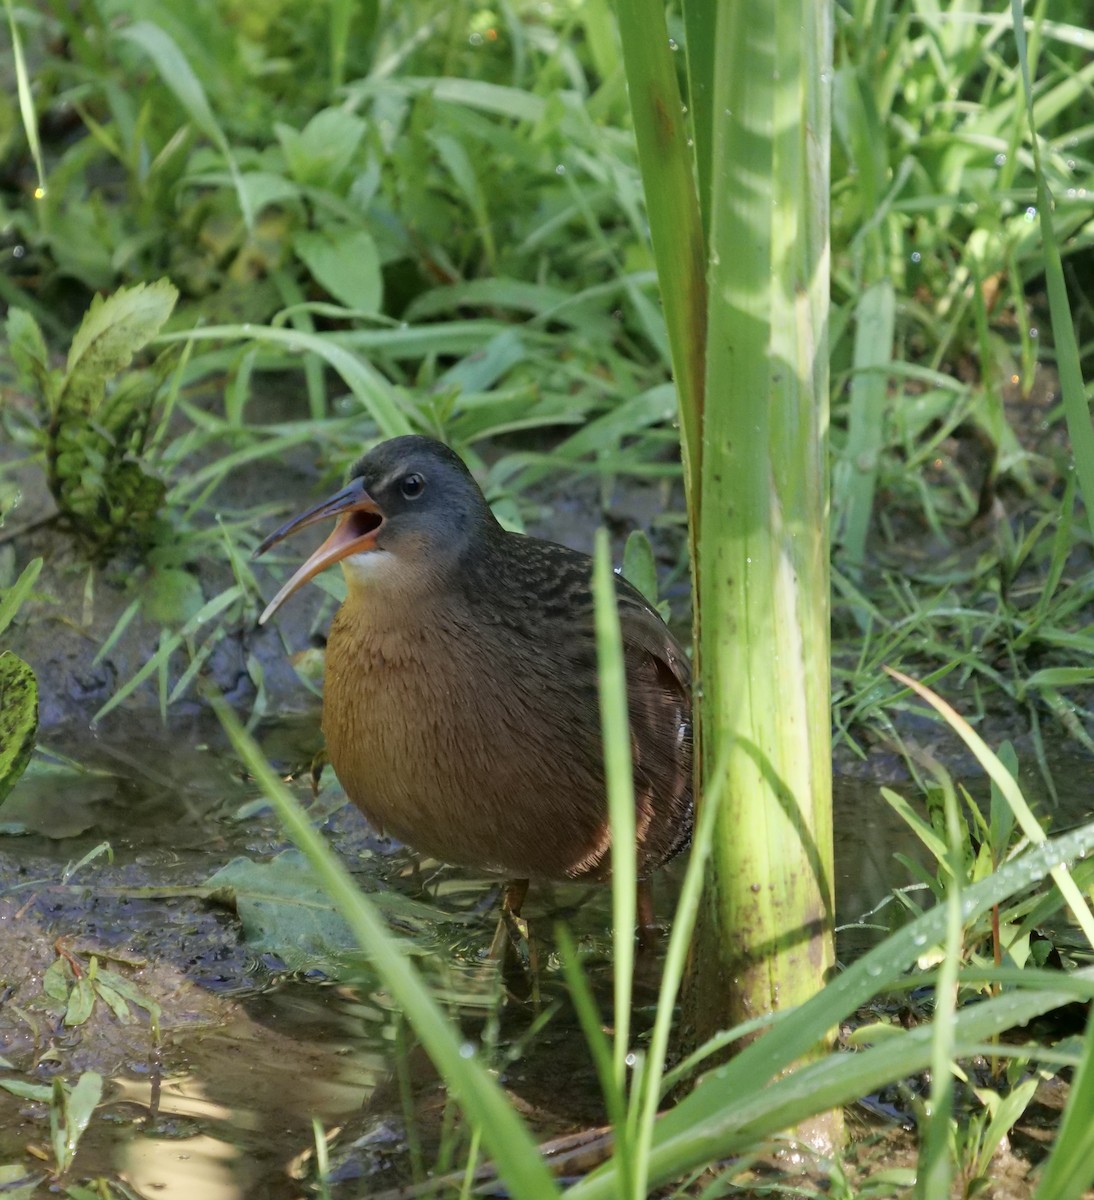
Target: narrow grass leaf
x,y
589,1018
1009,787
651,1082
1068,361
178,75
935,1174
856,473
14,596
615,728
26,100
169,643
1069,1171
673,207
704,1125
375,393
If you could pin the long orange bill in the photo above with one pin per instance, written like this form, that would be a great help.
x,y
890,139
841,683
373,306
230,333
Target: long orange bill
x,y
359,522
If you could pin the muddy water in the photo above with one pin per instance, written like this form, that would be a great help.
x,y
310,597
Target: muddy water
x,y
250,1053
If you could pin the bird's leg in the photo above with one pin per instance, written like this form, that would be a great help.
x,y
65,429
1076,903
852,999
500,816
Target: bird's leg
x,y
515,892
316,770
647,930
512,931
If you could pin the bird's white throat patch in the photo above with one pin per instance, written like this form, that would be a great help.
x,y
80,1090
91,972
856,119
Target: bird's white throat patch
x,y
362,569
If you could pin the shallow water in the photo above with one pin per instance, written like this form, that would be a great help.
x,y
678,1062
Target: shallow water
x,y
252,1052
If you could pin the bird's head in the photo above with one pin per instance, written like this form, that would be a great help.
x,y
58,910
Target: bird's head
x,y
410,509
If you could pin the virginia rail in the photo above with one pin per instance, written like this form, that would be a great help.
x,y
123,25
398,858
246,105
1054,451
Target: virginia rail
x,y
460,706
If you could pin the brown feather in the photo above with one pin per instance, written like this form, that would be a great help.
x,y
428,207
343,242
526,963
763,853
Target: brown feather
x,y
465,722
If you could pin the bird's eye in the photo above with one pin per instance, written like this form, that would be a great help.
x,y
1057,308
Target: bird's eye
x,y
413,486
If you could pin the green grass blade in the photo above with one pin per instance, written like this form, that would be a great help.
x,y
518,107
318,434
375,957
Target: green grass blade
x,y
178,75
169,643
377,396
14,596
935,1173
702,1127
26,101
1076,408
508,1140
1006,783
651,1081
616,732
1069,1171
856,474
676,226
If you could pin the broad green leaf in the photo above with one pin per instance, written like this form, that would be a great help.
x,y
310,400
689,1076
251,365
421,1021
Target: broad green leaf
x,y
484,367
112,331
263,188
56,980
70,1114
318,154
346,263
81,1002
114,1001
14,596
19,1182
126,990
29,1091
28,351
638,564
171,596
284,911
18,718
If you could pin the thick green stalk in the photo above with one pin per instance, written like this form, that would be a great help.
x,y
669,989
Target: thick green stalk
x,y
755,447
764,939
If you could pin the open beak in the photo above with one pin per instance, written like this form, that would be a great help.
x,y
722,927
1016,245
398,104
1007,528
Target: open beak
x,y
359,522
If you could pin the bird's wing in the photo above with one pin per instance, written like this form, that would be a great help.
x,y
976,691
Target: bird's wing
x,y
643,630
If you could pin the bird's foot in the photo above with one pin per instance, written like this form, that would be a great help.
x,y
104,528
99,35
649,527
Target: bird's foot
x,y
513,946
511,939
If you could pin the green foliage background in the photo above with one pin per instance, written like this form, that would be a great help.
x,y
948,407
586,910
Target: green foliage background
x,y
429,216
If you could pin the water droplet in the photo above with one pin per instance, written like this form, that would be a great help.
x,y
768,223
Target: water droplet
x,y
673,45
631,1059
1034,331
1000,159
467,1050
476,40
1031,213
560,169
916,256
684,109
18,251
